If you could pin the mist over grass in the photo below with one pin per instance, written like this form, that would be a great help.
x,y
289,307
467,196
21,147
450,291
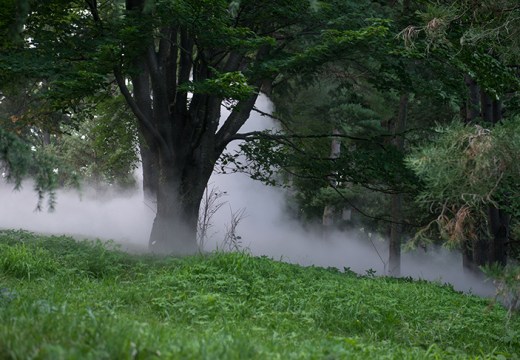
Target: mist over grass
x,y
123,217
265,230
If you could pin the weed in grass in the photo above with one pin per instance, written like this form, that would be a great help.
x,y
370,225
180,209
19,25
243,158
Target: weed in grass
x,y
22,262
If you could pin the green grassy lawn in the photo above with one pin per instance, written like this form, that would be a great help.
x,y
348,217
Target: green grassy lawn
x,y
62,299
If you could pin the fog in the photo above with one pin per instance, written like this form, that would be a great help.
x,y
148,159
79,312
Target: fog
x,y
266,228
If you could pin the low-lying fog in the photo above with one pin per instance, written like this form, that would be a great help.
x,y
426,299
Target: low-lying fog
x,y
265,230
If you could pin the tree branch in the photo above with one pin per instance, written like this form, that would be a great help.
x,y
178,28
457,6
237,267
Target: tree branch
x,y
137,111
255,135
92,4
185,66
155,72
234,122
171,68
370,216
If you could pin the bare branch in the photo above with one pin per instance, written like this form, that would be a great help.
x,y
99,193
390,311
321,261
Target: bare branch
x,y
255,135
370,216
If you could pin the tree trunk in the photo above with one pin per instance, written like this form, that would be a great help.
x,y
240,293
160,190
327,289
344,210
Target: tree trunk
x,y
487,248
174,228
486,107
396,228
180,189
396,233
472,105
329,211
150,169
499,227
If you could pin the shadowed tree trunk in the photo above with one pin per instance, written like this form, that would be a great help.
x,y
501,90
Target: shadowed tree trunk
x,y
498,219
396,228
147,146
329,211
472,105
499,226
150,172
484,250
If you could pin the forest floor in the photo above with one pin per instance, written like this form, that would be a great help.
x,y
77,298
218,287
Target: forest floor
x,y
67,299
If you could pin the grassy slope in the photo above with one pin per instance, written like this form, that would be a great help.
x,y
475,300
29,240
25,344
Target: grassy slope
x,y
63,299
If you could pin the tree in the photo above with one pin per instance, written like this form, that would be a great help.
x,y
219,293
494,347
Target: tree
x,y
361,88
175,75
245,51
17,159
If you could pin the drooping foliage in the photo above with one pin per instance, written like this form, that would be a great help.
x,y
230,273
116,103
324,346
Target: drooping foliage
x,y
18,160
466,169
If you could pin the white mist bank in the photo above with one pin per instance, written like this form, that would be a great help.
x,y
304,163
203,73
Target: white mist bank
x,y
124,218
266,230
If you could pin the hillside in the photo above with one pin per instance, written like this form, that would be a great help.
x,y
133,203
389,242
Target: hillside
x,y
62,299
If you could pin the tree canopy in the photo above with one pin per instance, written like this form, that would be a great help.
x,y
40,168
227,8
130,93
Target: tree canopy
x,y
383,106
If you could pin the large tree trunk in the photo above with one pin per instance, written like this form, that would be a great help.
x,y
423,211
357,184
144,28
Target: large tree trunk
x,y
182,183
396,228
498,219
175,226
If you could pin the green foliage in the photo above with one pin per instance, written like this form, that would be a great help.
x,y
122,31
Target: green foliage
x,y
490,73
102,148
331,44
229,86
12,17
15,156
366,162
96,143
468,164
464,169
334,197
77,55
231,306
477,38
18,160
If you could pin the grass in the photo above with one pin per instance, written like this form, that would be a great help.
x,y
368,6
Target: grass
x,y
62,299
